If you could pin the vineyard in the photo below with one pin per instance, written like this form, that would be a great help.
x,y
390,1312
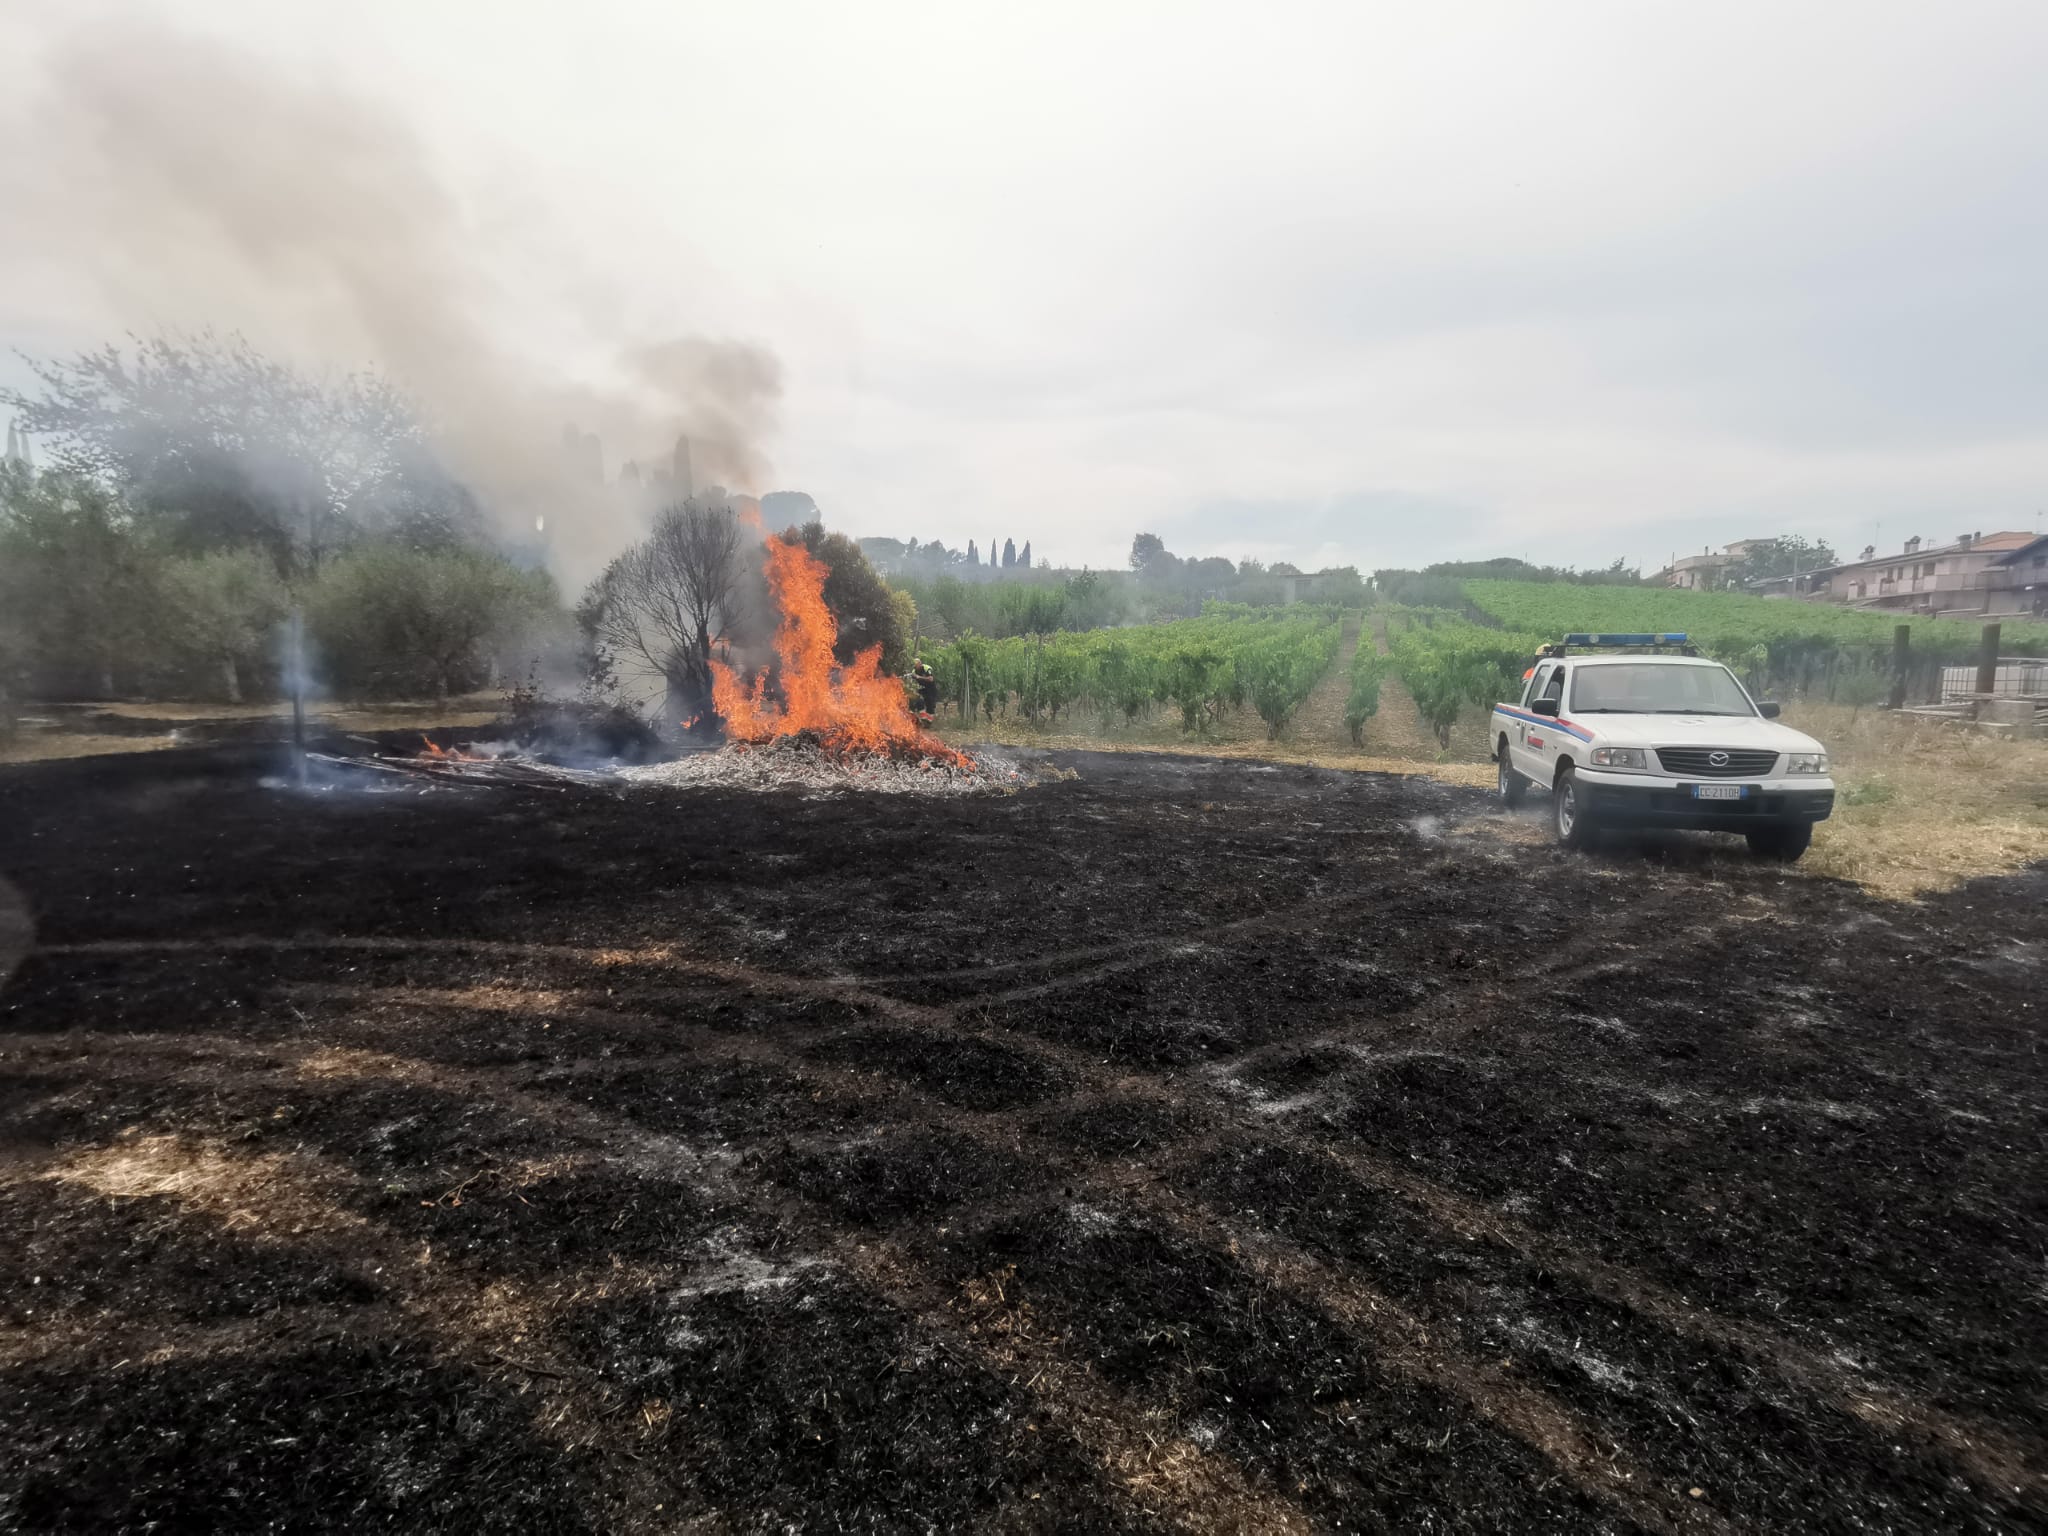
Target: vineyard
x,y
1786,649
1450,661
1230,657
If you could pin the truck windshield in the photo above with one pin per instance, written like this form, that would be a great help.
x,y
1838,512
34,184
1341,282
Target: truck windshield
x,y
1660,689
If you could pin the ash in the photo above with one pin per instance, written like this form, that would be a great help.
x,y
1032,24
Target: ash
x,y
793,763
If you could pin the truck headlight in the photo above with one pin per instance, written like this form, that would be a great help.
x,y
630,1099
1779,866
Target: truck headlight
x,y
1807,762
1618,757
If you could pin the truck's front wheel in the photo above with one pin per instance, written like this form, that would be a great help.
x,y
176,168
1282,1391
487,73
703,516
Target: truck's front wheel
x,y
1568,811
1783,842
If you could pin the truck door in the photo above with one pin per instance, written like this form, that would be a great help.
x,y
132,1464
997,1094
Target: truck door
x,y
1525,757
1543,739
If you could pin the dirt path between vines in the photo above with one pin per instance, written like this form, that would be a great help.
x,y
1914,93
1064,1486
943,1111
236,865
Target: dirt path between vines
x,y
1320,720
1397,730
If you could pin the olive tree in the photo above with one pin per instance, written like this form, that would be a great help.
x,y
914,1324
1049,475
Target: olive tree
x,y
393,620
224,608
215,445
78,583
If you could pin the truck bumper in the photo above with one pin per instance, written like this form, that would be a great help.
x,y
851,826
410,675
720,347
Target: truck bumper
x,y
1634,800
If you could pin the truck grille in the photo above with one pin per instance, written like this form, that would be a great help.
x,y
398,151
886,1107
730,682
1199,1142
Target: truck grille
x,y
1696,762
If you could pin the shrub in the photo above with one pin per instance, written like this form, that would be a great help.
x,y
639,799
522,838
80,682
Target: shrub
x,y
387,620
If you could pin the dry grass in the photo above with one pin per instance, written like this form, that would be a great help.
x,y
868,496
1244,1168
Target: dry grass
x,y
1923,806
273,1193
43,746
75,735
1311,754
398,713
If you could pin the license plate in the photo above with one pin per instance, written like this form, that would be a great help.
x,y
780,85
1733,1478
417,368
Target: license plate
x,y
1719,791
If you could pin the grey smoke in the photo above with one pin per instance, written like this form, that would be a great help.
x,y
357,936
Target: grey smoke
x,y
200,188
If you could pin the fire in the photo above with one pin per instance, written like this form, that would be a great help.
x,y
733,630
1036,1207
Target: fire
x,y
856,708
448,754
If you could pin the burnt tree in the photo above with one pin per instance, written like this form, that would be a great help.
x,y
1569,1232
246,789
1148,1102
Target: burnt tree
x,y
662,606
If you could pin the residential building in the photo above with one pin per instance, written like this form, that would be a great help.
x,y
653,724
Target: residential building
x,y
1976,574
1707,570
2017,581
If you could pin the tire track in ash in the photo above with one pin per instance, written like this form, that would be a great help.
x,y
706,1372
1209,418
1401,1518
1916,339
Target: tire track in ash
x,y
1572,951
1398,1339
1134,1446
1990,1456
493,1327
1987,1454
1120,1427
1117,956
1112,1428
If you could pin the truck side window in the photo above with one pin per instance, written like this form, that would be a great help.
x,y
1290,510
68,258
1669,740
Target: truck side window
x,y
1535,690
1554,689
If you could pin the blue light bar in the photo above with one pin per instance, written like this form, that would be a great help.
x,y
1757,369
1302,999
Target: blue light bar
x,y
1662,639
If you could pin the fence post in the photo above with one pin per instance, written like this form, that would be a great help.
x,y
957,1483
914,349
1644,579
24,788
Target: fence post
x,y
1902,657
1987,660
966,689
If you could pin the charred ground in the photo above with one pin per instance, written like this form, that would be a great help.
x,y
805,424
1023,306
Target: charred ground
x,y
1193,1144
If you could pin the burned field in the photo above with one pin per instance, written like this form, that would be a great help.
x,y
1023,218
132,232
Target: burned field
x,y
1189,1145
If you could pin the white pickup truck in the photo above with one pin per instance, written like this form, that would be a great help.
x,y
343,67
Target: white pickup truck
x,y
1653,735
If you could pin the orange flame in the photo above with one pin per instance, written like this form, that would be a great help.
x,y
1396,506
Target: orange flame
x,y
448,754
856,708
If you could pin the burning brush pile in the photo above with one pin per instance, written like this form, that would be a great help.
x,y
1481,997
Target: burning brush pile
x,y
831,726
806,723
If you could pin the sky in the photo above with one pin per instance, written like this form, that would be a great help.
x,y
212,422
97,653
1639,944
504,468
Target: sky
x,y
1363,283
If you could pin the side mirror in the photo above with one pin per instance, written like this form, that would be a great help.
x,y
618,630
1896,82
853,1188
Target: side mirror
x,y
1768,708
1549,707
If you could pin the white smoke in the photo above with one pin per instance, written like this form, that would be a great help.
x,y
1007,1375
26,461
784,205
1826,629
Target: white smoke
x,y
188,185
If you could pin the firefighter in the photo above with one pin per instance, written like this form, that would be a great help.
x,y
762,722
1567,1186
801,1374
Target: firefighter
x,y
927,682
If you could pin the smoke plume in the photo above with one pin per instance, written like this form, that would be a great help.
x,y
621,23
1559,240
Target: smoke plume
x,y
189,185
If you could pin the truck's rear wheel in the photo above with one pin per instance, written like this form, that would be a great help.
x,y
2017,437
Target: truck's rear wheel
x,y
1568,811
1512,785
1783,842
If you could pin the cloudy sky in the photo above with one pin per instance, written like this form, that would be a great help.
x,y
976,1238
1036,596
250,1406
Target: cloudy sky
x,y
1362,282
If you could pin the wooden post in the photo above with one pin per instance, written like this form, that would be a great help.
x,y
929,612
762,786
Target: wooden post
x,y
1987,660
966,690
1902,657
